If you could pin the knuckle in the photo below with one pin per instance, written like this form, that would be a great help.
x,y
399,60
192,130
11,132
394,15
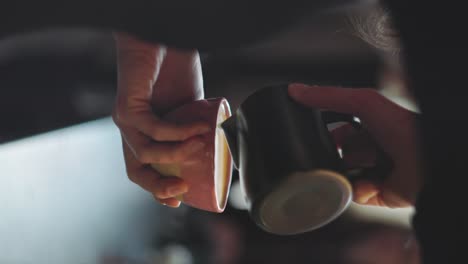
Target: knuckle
x,y
116,117
132,176
124,108
120,117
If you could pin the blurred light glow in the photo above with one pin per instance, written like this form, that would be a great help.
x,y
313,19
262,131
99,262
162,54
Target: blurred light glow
x,y
397,217
65,198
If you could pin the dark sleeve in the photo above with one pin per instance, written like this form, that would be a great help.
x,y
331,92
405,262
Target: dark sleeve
x,y
433,34
202,24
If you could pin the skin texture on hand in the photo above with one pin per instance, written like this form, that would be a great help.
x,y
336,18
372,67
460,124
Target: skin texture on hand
x,y
392,127
152,80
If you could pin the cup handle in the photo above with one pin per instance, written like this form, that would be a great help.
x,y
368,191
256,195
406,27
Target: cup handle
x,y
383,163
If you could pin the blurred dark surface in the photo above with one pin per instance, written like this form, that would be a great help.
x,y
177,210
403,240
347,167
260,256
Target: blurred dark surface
x,y
233,238
54,79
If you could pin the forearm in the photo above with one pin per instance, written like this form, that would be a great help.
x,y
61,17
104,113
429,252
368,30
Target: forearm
x,y
180,80
165,76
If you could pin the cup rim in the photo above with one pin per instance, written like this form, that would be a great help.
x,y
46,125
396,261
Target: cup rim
x,y
221,202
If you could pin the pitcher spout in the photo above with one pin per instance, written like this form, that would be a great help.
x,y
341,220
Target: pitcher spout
x,y
229,127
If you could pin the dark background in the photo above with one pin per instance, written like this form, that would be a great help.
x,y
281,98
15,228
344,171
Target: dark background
x,y
58,77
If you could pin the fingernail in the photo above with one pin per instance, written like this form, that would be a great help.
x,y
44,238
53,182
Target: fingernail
x,y
175,205
176,190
